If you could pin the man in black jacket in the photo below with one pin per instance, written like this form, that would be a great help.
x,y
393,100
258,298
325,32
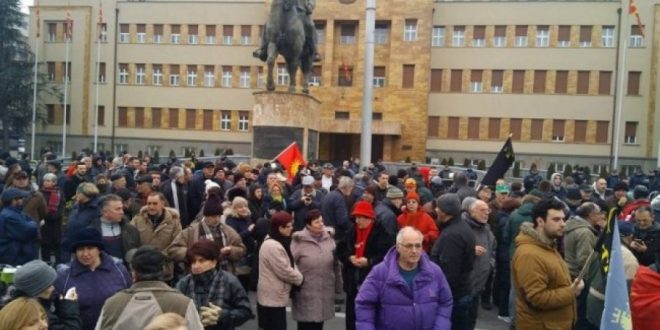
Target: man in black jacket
x,y
454,252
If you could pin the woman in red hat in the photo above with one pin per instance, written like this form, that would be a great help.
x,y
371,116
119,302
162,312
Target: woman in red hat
x,y
415,217
366,244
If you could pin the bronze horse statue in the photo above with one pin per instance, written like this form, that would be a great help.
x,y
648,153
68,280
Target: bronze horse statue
x,y
285,35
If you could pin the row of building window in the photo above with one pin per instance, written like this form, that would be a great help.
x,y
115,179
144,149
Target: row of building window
x,y
191,119
557,130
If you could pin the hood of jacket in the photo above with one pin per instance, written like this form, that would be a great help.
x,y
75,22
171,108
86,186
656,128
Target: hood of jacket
x,y
531,236
576,222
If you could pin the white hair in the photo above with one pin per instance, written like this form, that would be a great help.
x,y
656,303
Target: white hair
x,y
405,230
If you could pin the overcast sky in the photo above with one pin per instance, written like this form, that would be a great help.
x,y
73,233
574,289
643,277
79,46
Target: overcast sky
x,y
25,4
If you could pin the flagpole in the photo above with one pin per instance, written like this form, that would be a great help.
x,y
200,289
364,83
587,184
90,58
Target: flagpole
x,y
367,95
98,75
66,90
283,151
34,92
621,74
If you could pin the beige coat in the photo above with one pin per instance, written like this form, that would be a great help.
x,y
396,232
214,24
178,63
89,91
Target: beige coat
x,y
162,236
275,275
315,302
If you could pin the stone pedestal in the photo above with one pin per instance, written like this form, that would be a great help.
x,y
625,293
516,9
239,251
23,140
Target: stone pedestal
x,y
280,118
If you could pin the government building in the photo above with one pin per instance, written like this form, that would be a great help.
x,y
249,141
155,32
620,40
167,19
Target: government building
x,y
451,78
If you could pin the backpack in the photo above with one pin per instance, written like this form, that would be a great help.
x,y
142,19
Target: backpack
x,y
140,309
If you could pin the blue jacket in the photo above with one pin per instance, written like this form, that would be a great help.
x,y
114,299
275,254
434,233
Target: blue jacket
x,y
18,237
80,218
385,301
93,287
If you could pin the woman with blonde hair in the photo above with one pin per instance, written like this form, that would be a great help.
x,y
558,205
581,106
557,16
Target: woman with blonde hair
x,y
238,218
23,314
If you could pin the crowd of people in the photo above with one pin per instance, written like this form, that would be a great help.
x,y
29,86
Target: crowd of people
x,y
123,243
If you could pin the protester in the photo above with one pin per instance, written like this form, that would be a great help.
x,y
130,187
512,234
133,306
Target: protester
x,y
389,208
646,238
24,314
336,206
238,218
51,230
84,211
120,238
415,217
303,200
18,232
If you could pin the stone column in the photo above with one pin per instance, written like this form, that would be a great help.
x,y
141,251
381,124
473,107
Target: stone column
x,y
280,118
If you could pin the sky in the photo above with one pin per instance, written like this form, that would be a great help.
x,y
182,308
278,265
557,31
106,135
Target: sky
x,y
25,4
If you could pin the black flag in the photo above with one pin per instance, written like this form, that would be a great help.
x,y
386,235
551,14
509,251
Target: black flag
x,y
501,164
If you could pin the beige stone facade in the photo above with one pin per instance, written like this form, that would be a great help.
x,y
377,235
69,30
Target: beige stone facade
x,y
454,78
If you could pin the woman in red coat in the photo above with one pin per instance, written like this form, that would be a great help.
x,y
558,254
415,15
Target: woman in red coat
x,y
415,217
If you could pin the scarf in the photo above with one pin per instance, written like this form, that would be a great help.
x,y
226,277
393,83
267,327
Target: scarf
x,y
285,241
53,199
216,234
156,219
361,236
206,287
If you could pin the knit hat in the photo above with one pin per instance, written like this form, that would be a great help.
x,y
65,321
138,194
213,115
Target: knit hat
x,y
13,193
307,180
210,184
34,277
449,203
540,194
236,192
413,195
279,219
393,192
502,189
586,187
86,237
364,209
147,260
213,205
410,182
626,228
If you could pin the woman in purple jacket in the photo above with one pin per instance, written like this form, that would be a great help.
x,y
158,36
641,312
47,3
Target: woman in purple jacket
x,y
405,291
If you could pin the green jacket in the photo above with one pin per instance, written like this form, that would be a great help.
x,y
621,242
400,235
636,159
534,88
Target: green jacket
x,y
518,217
579,240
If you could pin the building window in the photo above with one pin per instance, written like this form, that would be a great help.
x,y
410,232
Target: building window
x,y
342,115
476,83
499,36
479,36
536,133
174,118
564,36
410,30
315,76
558,130
583,82
630,132
50,114
120,148
261,78
141,35
246,32
191,118
227,34
207,124
52,32
174,75
496,81
521,36
103,35
604,82
124,35
542,36
344,76
607,37
158,33
122,116
320,32
225,121
157,74
377,116
381,33
193,37
139,117
245,77
123,73
636,37
561,82
518,81
175,34
379,76
602,131
151,149
458,38
456,84
100,115
210,34
633,82
243,121
139,74
433,126
408,76
452,127
226,76
101,73
347,33
515,128
494,128
580,131
539,81
191,77
67,114
436,80
585,35
66,67
51,71
209,76
473,128
438,36
155,118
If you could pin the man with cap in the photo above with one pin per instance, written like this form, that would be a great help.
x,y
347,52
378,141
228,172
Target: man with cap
x,y
85,209
573,198
328,181
304,200
147,270
587,193
143,189
640,198
389,209
18,232
118,182
454,252
197,186
34,204
35,280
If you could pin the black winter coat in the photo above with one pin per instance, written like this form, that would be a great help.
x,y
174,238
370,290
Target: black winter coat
x,y
454,253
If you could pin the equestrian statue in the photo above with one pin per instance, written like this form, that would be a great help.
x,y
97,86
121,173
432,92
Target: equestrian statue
x,y
290,32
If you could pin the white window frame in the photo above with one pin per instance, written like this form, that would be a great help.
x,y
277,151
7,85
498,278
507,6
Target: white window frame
x,y
636,41
260,80
314,80
124,37
630,139
559,167
175,38
244,81
157,77
282,76
607,37
347,40
478,43
226,78
52,37
139,74
210,40
227,40
193,39
209,79
499,42
191,78
174,79
458,38
379,82
476,86
520,41
410,32
564,43
585,44
120,147
497,89
225,121
151,149
381,35
542,37
320,35
104,33
140,37
123,76
438,36
245,40
557,138
158,38
243,123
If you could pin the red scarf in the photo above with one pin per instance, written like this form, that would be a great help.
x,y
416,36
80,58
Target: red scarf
x,y
53,199
361,236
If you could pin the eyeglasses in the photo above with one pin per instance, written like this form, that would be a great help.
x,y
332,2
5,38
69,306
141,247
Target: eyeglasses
x,y
410,246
